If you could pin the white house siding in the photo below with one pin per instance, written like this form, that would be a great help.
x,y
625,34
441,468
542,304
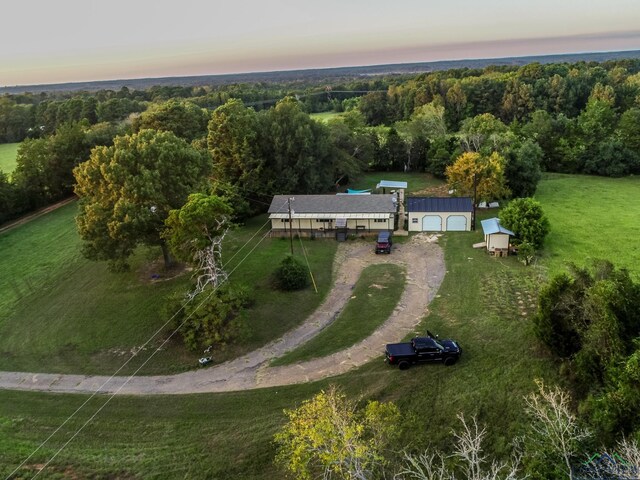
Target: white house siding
x,y
417,226
497,240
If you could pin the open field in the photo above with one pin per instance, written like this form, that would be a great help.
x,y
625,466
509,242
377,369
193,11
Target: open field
x,y
324,117
375,296
591,218
8,152
485,303
61,313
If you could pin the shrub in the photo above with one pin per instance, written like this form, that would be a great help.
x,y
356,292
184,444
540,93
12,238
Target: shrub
x,y
211,318
291,274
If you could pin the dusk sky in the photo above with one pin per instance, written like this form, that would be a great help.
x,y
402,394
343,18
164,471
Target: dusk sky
x,y
81,40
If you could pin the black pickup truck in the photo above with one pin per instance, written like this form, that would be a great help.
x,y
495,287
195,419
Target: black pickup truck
x,y
422,349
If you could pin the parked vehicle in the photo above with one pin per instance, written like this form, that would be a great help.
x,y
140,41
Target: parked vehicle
x,y
384,242
422,349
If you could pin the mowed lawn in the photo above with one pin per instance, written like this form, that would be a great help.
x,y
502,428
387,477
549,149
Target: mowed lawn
x,y
591,218
485,303
64,314
374,298
8,152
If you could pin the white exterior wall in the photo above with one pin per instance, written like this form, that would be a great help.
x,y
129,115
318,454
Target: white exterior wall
x,y
417,227
352,224
497,240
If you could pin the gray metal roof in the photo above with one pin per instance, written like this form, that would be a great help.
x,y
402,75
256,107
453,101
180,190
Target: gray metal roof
x,y
310,204
439,204
492,225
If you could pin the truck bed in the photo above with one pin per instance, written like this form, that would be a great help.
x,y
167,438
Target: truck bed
x,y
400,349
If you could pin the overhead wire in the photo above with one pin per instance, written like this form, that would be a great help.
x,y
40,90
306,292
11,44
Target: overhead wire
x,y
154,335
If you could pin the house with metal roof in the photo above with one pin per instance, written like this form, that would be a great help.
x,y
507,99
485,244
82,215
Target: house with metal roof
x,y
328,215
439,214
496,237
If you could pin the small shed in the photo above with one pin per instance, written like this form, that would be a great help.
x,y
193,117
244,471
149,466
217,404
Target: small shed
x,y
496,237
440,214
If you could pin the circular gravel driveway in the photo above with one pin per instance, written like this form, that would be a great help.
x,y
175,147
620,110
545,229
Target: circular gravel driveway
x,y
423,261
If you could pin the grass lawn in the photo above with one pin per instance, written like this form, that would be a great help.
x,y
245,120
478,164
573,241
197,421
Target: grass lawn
x,y
591,218
375,295
8,152
485,303
324,117
61,313
417,183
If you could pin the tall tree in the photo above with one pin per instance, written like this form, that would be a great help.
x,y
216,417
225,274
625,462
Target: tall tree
x,y
127,190
523,170
486,171
183,118
527,220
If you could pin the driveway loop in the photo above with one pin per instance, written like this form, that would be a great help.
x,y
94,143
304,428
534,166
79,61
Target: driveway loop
x,y
423,261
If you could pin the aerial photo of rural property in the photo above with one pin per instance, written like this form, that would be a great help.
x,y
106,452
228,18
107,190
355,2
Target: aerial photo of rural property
x,y
356,240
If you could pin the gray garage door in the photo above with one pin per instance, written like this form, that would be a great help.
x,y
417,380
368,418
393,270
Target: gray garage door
x,y
431,223
456,223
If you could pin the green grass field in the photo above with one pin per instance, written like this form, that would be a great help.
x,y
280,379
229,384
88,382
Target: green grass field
x,y
61,313
324,117
8,152
591,218
416,182
375,295
230,435
485,303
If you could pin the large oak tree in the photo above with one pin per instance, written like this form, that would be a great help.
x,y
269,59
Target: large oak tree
x,y
127,190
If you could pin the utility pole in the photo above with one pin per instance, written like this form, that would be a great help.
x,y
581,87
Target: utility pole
x,y
290,225
475,200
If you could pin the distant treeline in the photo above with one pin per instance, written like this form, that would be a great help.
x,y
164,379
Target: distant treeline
x,y
565,117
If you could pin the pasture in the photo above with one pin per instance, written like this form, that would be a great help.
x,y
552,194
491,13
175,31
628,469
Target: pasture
x,y
591,218
61,313
485,303
324,117
8,153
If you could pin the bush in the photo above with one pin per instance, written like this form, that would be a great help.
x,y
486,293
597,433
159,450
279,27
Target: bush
x,y
291,274
211,318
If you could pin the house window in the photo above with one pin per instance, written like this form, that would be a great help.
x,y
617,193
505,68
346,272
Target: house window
x,y
324,220
379,220
284,220
414,220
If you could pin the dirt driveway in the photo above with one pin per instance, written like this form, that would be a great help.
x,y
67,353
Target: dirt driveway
x,y
424,263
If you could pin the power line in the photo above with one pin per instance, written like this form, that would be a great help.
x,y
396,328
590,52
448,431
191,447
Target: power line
x,y
134,355
111,397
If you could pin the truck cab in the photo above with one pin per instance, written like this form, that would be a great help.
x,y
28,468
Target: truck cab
x,y
384,242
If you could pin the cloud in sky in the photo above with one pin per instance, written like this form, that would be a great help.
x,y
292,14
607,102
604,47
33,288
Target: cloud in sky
x,y
74,40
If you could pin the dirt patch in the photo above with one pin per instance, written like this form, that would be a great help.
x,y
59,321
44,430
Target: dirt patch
x,y
155,271
437,191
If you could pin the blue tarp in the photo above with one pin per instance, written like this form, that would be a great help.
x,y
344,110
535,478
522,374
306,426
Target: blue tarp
x,y
358,192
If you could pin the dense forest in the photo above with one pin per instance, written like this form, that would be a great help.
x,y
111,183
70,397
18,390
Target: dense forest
x,y
573,118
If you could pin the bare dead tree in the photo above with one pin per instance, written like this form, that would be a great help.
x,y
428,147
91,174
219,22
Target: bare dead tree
x,y
209,270
470,459
554,424
623,464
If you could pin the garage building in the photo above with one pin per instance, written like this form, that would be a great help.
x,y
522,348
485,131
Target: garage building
x,y
440,214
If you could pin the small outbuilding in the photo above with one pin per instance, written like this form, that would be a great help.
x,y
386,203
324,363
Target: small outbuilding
x,y
332,215
439,214
496,237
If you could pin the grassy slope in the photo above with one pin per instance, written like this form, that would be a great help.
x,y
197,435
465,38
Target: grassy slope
x,y
81,318
375,296
591,217
8,152
229,436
